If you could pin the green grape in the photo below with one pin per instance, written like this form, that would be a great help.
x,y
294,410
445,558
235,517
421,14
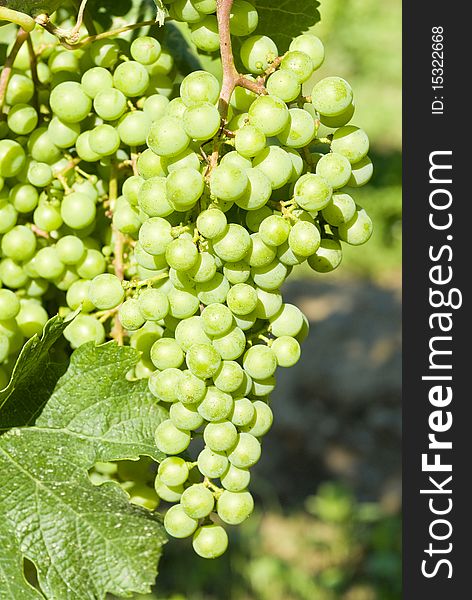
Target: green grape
x,y
8,218
155,106
201,121
166,492
212,464
190,332
130,315
335,169
229,378
109,104
203,360
190,389
41,146
220,437
213,291
176,108
104,140
339,120
78,295
242,299
258,191
126,219
141,495
233,244
340,209
312,192
180,280
204,269
131,78
362,172
184,188
331,96
207,7
276,164
95,80
263,418
235,479
39,174
298,63
274,230
257,53
181,254
205,35
260,362
32,318
268,304
328,256
234,507
163,385
145,50
183,303
288,321
184,10
185,417
155,235
166,354
269,114
91,265
243,19
216,405
231,345
245,322
351,142
311,45
48,264
246,452
35,288
12,158
171,440
287,351
20,90
83,329
270,277
106,291
260,254
83,149
198,87
47,217
153,304
22,119
150,165
358,230
217,319
152,197
4,352
131,188
249,141
211,223
78,210
64,134
228,182
19,243
300,129
69,102
197,501
178,524
9,305
297,164
284,84
24,197
167,137
173,471
104,53
133,128
210,541
238,272
187,159
243,412
304,238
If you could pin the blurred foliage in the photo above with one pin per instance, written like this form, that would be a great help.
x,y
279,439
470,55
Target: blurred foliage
x,y
334,548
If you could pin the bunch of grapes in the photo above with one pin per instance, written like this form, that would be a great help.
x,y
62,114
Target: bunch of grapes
x,y
171,218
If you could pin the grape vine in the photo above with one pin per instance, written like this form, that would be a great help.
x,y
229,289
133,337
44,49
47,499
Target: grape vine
x,y
169,211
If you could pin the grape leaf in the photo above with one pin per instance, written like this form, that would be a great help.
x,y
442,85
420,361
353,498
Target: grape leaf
x,y
84,540
34,377
284,20
32,7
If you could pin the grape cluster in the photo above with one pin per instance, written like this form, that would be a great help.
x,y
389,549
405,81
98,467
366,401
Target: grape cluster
x,y
211,207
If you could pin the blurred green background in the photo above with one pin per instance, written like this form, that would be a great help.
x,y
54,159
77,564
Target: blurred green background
x,y
328,486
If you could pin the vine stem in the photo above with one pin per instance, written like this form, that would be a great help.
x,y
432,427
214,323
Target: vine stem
x,y
7,68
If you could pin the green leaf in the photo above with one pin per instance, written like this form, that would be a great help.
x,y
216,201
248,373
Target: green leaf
x,y
32,7
34,377
284,20
85,540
